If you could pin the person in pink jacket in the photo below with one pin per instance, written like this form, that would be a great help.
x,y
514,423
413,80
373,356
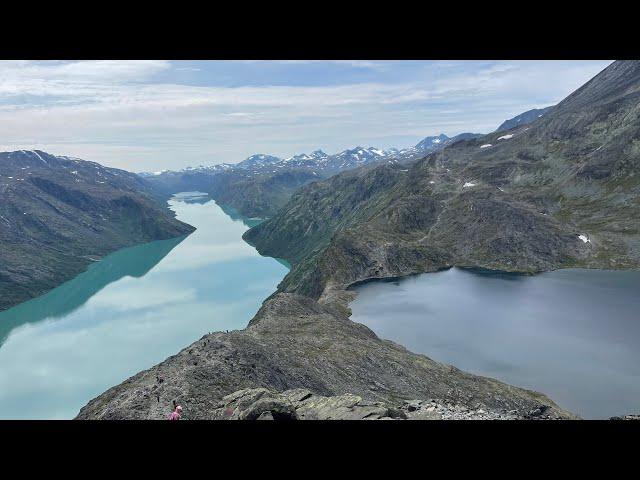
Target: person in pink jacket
x,y
175,415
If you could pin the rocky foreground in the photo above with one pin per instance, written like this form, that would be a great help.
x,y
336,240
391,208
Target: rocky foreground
x,y
302,404
294,343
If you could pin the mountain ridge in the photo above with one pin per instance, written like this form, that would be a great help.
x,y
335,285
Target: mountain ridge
x,y
257,186
523,118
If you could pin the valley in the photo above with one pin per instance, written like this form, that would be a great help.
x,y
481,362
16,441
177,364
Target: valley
x,y
264,276
129,311
560,192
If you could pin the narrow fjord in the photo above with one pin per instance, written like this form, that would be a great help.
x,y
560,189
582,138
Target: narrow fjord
x,y
129,311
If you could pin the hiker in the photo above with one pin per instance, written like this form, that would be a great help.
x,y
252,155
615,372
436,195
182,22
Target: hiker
x,y
175,415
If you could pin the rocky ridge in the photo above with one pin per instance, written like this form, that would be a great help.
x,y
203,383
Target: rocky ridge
x,y
523,119
302,404
294,342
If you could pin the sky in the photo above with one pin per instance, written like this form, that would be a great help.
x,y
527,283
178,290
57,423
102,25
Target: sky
x,y
158,114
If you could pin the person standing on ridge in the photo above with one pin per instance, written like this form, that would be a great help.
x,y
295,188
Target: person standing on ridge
x,y
176,414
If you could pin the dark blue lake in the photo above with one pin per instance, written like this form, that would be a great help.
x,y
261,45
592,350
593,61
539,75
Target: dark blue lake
x,y
571,334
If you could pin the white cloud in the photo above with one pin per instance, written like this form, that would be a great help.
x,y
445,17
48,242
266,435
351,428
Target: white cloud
x,y
115,113
118,296
366,64
101,70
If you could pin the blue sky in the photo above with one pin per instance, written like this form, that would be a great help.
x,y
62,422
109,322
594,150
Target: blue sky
x,y
151,115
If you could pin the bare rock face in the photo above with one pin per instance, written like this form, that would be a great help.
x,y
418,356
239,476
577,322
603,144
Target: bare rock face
x,y
302,404
339,407
299,404
255,404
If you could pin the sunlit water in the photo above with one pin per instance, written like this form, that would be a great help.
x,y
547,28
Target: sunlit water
x,y
130,311
572,334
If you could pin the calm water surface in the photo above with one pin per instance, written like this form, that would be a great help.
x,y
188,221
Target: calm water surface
x,y
572,334
130,311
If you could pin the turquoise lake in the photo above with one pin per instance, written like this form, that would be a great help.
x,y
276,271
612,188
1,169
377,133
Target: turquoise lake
x,y
131,310
572,334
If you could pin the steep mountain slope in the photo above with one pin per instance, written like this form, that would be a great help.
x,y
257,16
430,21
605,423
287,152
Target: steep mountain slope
x,y
523,119
563,191
59,214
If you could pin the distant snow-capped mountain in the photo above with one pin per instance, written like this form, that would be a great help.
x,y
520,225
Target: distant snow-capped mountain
x,y
304,157
320,162
259,160
219,167
427,146
260,184
432,143
352,158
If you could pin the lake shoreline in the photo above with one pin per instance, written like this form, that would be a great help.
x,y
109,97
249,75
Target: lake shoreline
x,y
133,308
261,354
264,320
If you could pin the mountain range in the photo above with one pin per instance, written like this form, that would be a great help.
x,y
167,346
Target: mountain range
x,y
261,184
562,191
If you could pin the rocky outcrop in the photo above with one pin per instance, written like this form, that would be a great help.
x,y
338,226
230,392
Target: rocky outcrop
x,y
626,417
302,404
299,404
294,342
